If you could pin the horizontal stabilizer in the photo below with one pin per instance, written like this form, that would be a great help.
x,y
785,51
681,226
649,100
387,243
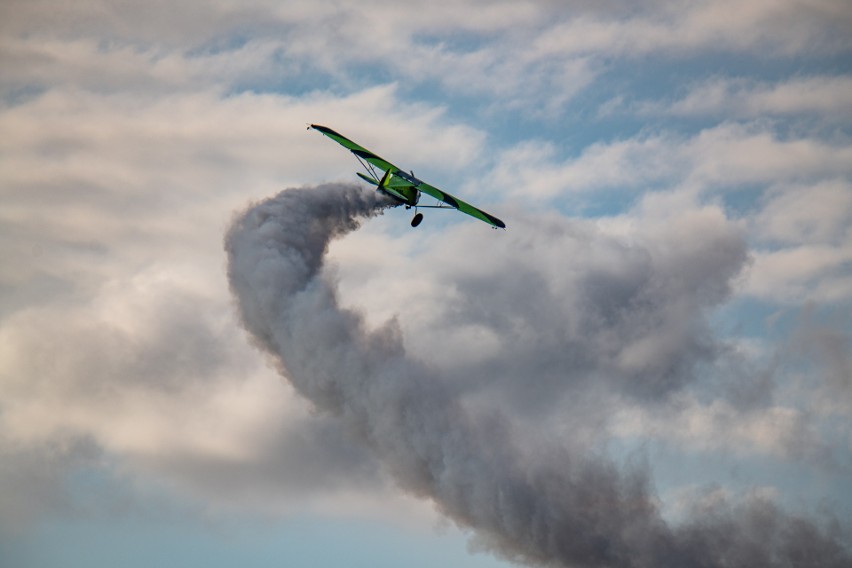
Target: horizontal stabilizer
x,y
367,178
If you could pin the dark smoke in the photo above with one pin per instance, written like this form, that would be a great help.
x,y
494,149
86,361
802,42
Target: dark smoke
x,y
565,509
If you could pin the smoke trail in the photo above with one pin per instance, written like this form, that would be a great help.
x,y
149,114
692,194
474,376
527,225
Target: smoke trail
x,y
562,510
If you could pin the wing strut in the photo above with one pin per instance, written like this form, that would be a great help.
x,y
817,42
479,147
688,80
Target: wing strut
x,y
369,168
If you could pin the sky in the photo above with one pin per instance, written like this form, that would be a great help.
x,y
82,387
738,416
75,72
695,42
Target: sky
x,y
651,364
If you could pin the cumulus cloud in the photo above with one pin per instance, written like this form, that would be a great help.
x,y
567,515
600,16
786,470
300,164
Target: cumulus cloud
x,y
132,132
157,376
114,205
93,181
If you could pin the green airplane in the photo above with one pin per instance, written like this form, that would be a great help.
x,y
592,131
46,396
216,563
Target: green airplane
x,y
404,186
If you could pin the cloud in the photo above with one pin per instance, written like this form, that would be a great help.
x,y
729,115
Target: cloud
x,y
733,154
133,132
533,170
786,27
92,181
724,157
117,329
799,274
158,377
804,244
534,56
35,486
818,213
829,346
827,96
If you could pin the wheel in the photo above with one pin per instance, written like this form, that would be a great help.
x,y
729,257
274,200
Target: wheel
x,y
417,219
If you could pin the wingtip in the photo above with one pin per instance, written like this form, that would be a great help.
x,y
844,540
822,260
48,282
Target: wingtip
x,y
324,130
495,222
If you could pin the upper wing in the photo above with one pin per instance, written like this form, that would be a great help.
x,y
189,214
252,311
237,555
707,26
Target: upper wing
x,y
359,151
462,206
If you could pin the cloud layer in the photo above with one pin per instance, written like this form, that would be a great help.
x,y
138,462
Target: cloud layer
x,y
694,323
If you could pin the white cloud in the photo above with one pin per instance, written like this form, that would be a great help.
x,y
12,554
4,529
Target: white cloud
x,y
532,169
732,154
721,157
830,96
804,245
708,25
818,213
801,273
533,56
132,132
98,171
117,329
162,381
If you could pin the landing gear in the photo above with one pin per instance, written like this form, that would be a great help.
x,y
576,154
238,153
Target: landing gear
x,y
417,219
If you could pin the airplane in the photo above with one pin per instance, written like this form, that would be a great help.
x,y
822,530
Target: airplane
x,y
402,186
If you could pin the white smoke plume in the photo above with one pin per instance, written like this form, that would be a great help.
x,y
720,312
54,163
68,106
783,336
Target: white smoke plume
x,y
560,507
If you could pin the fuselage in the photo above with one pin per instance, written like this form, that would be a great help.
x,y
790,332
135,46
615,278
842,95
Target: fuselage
x,y
408,195
399,185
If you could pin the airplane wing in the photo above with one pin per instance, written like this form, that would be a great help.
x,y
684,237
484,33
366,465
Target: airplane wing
x,y
408,181
359,151
462,206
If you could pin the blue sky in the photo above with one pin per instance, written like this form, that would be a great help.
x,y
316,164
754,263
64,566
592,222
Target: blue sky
x,y
674,288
